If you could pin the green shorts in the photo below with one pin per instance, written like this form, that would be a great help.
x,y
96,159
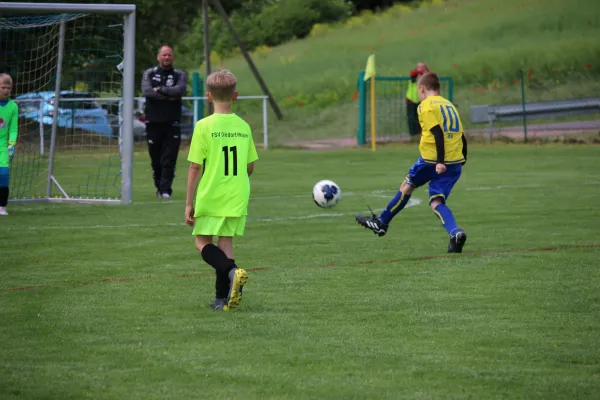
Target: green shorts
x,y
219,226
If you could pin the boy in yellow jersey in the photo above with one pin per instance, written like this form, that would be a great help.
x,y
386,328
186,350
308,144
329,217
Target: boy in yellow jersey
x,y
443,152
222,154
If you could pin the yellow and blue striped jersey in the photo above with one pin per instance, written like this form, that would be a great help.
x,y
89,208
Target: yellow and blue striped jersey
x,y
436,110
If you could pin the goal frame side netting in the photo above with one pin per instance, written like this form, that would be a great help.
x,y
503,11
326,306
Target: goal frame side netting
x,y
53,190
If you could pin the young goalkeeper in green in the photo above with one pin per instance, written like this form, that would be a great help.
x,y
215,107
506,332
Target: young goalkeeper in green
x,y
221,156
9,114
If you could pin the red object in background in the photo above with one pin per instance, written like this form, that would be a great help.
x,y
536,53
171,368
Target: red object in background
x,y
485,70
355,96
588,66
300,104
453,65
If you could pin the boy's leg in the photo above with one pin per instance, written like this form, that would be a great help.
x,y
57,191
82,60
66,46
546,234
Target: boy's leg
x,y
4,184
439,191
215,257
225,243
418,175
237,277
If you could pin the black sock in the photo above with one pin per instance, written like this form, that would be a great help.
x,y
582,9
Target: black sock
x,y
215,257
3,196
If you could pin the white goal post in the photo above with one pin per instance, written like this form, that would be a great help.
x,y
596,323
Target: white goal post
x,y
41,68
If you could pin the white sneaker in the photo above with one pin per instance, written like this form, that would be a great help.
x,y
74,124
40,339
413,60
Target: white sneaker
x,y
3,211
166,196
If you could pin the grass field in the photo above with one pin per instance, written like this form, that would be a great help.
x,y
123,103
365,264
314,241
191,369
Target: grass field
x,y
110,302
481,44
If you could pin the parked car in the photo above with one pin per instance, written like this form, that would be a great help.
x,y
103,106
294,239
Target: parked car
x,y
139,127
87,114
187,118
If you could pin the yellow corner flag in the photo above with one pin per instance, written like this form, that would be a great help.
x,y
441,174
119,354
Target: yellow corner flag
x,y
370,74
370,69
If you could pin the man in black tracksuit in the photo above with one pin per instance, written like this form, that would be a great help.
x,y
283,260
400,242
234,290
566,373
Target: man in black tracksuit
x,y
163,86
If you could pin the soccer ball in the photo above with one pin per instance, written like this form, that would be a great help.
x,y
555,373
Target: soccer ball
x,y
326,194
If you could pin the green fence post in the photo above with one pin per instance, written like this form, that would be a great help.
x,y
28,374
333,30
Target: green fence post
x,y
523,104
361,109
197,91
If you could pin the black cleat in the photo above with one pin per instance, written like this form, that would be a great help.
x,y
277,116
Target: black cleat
x,y
373,223
457,241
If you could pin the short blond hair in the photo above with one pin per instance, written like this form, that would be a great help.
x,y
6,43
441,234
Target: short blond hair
x,y
221,85
6,79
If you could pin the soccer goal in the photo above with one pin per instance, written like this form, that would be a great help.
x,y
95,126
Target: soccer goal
x,y
63,58
382,110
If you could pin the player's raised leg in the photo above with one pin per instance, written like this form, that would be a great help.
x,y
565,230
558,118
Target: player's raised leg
x,y
419,174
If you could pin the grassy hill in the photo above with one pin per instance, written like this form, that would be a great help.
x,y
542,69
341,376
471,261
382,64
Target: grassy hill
x,y
480,43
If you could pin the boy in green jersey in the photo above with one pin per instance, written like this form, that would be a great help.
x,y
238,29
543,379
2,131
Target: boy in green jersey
x,y
9,114
222,153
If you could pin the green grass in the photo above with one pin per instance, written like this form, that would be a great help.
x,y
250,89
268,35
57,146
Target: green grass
x,y
555,38
117,299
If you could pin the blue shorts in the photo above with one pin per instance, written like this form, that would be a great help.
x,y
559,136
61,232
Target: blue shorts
x,y
440,185
4,176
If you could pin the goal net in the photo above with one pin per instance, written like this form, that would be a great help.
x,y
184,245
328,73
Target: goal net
x,y
385,107
73,145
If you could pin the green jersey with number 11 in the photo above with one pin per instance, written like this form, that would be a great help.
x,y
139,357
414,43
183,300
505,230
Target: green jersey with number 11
x,y
223,143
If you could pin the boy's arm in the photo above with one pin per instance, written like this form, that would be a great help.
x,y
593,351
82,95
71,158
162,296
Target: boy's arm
x,y
13,127
464,151
194,173
250,168
438,135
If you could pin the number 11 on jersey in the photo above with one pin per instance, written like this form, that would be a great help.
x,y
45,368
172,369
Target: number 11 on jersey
x,y
233,151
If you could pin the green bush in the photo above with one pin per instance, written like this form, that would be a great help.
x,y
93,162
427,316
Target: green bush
x,y
273,24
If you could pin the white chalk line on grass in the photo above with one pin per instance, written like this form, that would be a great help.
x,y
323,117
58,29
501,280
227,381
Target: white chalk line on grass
x,y
374,194
411,203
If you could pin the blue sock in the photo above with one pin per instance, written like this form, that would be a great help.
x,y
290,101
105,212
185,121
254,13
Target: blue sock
x,y
394,207
446,218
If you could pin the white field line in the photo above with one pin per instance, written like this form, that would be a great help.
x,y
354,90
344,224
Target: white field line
x,y
411,203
